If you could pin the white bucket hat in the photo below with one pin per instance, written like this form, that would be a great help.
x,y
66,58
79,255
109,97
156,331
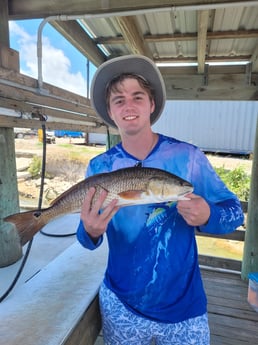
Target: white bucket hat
x,y
135,64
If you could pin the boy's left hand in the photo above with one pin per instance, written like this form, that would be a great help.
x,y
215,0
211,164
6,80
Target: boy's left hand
x,y
196,211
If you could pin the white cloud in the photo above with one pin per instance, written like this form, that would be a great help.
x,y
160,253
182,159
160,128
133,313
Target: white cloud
x,y
56,66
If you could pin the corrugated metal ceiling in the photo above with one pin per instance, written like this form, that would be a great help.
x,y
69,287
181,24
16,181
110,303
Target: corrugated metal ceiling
x,y
186,31
159,30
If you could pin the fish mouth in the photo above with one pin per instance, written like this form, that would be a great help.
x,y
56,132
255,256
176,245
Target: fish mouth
x,y
188,190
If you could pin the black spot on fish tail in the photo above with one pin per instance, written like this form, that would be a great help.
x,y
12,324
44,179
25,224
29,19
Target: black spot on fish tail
x,y
37,214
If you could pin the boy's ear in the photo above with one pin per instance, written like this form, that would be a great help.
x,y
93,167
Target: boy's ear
x,y
109,113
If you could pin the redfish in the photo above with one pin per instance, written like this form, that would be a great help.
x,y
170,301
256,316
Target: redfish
x,y
130,186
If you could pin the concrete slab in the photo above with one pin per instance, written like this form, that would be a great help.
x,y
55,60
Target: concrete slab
x,y
44,249
44,309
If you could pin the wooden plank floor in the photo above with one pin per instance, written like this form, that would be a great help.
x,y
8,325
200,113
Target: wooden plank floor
x,y
232,320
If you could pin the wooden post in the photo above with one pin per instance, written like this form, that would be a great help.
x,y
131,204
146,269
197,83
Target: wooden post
x,y
250,257
4,29
10,247
113,140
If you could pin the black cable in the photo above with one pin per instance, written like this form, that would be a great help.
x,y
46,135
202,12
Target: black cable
x,y
57,235
43,172
18,273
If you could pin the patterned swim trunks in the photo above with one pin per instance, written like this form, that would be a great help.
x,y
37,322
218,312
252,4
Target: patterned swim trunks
x,y
122,327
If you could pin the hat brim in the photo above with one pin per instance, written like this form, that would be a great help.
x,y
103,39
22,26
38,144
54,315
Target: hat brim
x,y
135,64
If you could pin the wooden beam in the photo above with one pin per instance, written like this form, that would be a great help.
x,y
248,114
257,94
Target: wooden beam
x,y
134,40
203,17
219,87
4,30
217,262
189,36
238,235
254,60
204,93
25,9
74,33
21,88
250,257
52,124
191,70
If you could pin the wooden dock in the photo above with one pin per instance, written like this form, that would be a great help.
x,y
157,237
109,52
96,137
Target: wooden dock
x,y
232,320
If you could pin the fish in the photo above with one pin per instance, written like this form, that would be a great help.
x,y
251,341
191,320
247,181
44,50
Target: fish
x,y
130,186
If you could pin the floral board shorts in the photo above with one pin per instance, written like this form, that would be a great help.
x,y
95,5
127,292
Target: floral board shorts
x,y
122,327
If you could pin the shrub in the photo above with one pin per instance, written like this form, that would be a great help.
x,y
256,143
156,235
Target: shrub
x,y
237,180
35,166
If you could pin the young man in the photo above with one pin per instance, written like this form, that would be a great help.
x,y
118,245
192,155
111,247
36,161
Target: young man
x,y
152,290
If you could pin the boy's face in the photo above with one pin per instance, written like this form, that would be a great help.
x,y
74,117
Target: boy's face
x,y
130,108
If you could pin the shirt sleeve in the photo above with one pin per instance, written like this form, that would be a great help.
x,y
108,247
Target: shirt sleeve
x,y
85,239
225,217
226,211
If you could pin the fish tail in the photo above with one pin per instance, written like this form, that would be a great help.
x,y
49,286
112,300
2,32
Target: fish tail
x,y
27,224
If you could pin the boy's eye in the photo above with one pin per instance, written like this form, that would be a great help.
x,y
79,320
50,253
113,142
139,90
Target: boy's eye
x,y
118,101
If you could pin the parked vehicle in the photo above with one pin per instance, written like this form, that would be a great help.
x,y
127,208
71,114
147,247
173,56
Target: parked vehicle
x,y
68,134
20,133
50,137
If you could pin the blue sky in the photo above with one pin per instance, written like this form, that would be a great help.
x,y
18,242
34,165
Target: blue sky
x,y
62,64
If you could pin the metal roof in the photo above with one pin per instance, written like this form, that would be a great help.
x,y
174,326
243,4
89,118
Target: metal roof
x,y
172,33
188,31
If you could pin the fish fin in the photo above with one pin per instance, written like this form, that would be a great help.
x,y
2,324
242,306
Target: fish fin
x,y
131,194
27,224
63,195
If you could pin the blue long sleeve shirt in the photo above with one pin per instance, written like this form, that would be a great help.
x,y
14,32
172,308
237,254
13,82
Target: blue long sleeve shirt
x,y
153,259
